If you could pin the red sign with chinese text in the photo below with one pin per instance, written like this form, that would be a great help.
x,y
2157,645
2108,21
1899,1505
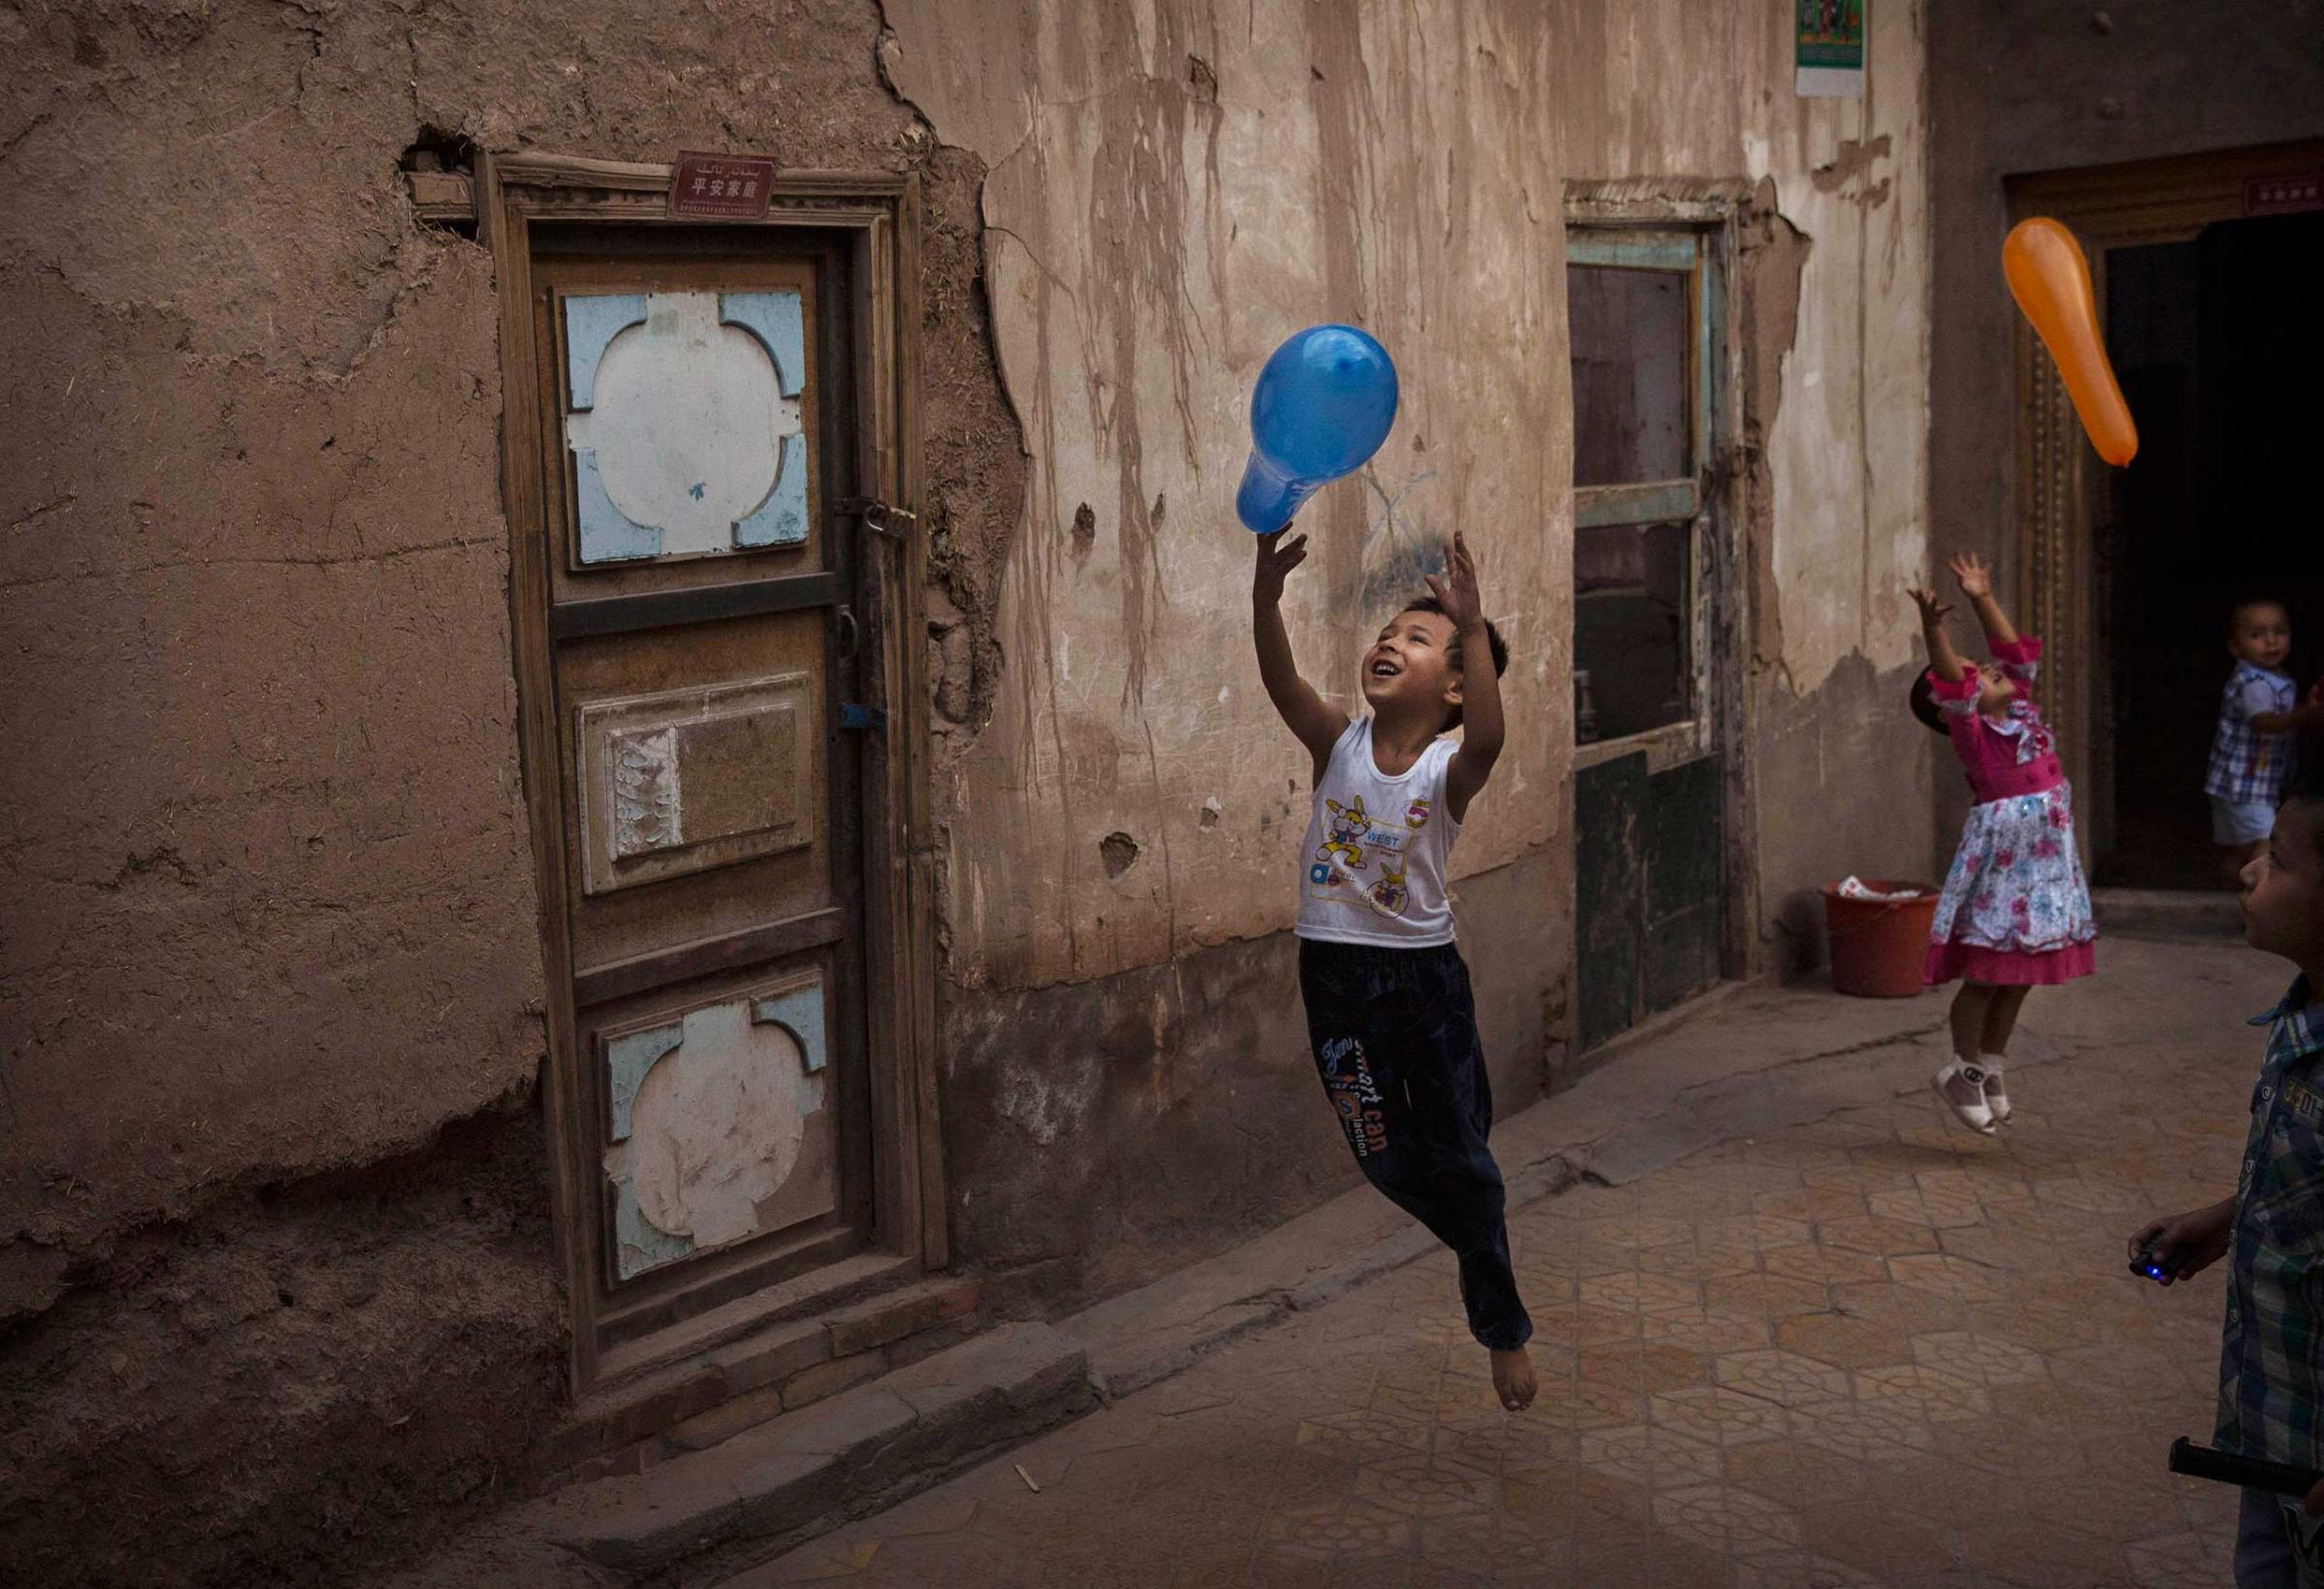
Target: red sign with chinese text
x,y
721,187
2284,195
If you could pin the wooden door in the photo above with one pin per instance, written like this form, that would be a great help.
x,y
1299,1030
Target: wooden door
x,y
705,657
1647,310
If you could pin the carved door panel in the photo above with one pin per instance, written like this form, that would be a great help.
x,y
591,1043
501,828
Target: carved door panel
x,y
697,432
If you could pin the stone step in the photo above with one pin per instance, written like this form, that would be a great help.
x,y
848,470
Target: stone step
x,y
2167,913
773,1485
785,1365
859,1343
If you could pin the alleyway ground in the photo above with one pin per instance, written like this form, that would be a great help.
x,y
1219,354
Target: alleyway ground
x,y
1823,1337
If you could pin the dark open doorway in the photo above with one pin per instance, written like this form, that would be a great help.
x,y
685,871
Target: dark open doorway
x,y
2218,345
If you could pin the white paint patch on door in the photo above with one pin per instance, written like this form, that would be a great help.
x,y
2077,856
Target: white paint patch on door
x,y
687,422
718,1125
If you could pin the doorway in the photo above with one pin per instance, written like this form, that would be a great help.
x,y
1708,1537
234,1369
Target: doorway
x,y
708,584
1646,318
2199,266
2218,348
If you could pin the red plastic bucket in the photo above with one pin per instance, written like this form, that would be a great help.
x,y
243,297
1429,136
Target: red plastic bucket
x,y
1879,946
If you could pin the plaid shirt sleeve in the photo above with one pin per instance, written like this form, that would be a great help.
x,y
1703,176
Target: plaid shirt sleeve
x,y
2248,694
2245,764
2271,1349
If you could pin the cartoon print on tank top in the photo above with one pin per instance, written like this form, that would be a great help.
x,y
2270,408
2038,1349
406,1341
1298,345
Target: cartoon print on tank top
x,y
1352,833
1345,835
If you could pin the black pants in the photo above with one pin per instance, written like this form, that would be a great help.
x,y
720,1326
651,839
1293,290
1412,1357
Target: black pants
x,y
1395,1033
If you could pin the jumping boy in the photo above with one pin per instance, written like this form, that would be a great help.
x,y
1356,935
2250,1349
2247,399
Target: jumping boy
x,y
2259,717
1390,1013
2271,1349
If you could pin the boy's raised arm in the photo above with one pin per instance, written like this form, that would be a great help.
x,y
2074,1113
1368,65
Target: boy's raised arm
x,y
1482,724
2294,721
1315,721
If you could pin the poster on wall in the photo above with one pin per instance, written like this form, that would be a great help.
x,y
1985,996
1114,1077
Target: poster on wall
x,y
1831,49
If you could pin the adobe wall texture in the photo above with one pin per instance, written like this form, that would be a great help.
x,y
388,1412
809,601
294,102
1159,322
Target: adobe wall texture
x,y
276,1265
1167,200
1832,456
277,1280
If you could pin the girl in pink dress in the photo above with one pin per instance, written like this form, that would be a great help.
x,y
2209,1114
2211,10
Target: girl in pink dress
x,y
2015,912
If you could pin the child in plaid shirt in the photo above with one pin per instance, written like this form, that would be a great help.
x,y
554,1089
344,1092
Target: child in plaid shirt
x,y
2259,715
2272,1348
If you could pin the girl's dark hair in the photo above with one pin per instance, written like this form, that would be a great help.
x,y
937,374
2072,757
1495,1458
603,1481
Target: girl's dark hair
x,y
1924,703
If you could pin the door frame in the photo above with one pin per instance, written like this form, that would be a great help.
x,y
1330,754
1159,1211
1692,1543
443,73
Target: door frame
x,y
879,213
1712,211
1701,250
2060,492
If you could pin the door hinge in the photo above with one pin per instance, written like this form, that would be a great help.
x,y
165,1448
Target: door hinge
x,y
884,518
857,718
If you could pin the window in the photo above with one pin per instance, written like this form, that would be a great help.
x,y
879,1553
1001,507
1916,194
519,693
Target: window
x,y
1631,608
1643,313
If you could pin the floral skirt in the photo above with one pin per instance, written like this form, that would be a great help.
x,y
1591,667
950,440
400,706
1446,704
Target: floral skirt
x,y
2015,907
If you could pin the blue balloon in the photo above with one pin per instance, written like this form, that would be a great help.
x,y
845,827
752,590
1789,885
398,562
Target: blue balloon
x,y
1323,406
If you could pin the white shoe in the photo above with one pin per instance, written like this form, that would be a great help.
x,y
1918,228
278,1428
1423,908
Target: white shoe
x,y
1959,1078
1995,1098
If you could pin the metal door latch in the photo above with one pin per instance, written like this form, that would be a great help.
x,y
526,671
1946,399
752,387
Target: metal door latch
x,y
884,518
857,718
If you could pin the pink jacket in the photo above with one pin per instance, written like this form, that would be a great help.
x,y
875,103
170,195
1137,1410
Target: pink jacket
x,y
2013,755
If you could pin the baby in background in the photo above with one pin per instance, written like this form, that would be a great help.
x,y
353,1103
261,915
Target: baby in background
x,y
2260,719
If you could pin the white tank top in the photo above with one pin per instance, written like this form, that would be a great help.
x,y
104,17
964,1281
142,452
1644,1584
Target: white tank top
x,y
1373,870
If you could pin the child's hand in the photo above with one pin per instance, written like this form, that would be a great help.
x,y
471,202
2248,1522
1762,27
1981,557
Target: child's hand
x,y
1974,573
1456,586
1931,610
1277,559
2185,1244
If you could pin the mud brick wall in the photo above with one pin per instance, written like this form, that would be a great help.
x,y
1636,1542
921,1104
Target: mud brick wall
x,y
277,1286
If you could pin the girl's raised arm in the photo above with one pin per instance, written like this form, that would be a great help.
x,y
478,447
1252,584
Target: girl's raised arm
x,y
1943,657
1975,576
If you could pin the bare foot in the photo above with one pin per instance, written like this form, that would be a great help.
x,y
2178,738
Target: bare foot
x,y
1513,1379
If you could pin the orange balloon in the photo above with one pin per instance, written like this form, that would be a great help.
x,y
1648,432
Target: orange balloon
x,y
2050,279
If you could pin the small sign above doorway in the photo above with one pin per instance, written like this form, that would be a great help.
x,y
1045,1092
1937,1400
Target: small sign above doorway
x,y
721,187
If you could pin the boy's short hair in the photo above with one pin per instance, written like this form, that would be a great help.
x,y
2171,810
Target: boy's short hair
x,y
1924,703
1492,637
2245,603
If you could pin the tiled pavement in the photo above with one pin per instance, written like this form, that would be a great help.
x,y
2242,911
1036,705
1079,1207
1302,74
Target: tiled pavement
x,y
1870,1350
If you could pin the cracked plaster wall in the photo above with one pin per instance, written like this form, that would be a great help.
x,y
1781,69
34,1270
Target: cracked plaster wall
x,y
271,898
270,952
1834,337
1173,188
272,907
